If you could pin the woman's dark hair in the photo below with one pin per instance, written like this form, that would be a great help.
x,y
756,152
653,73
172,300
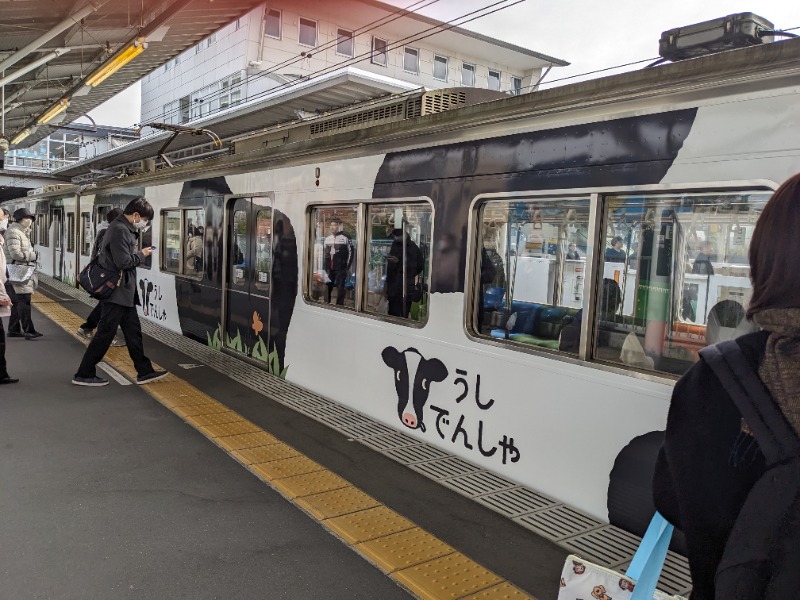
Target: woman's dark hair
x,y
141,206
114,213
774,252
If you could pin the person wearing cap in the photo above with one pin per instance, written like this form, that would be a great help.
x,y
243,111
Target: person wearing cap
x,y
19,250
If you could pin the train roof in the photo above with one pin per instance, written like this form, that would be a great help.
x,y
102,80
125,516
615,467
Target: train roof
x,y
769,65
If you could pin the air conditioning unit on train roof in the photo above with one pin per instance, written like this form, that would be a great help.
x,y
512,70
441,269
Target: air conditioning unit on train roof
x,y
725,33
53,187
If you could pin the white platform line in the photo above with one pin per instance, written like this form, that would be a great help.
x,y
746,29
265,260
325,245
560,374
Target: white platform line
x,y
114,374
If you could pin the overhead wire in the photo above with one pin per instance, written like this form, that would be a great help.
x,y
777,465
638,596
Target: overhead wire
x,y
424,34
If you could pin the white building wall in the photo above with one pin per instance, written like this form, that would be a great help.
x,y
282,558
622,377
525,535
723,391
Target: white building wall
x,y
236,49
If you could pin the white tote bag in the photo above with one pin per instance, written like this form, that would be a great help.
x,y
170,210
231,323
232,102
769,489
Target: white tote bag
x,y
20,273
582,580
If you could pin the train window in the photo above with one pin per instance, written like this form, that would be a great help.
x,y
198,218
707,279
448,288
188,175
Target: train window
x,y
86,234
398,267
171,243
675,276
42,228
194,244
532,275
239,253
263,249
70,232
332,278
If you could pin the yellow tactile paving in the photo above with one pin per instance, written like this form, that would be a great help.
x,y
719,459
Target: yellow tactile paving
x,y
368,524
309,483
247,440
215,419
286,467
404,549
226,429
267,453
337,502
451,576
414,558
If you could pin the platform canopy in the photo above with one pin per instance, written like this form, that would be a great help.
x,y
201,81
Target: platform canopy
x,y
54,53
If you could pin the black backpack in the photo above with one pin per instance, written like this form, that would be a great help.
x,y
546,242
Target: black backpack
x,y
762,555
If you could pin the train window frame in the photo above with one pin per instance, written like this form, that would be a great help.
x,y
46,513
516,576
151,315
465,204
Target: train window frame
x,y
531,340
361,263
184,231
310,260
43,230
163,216
86,234
71,237
597,195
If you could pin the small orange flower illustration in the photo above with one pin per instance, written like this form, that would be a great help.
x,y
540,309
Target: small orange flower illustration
x,y
257,324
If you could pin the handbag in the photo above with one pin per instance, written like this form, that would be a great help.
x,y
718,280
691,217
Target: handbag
x,y
20,274
583,580
100,283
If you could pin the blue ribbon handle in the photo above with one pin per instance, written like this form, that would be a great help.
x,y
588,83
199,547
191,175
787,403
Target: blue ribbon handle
x,y
645,568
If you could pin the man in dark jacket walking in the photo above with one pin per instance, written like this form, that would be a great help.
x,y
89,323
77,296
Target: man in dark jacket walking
x,y
118,252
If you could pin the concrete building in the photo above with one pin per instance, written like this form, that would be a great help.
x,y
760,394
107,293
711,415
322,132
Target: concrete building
x,y
282,43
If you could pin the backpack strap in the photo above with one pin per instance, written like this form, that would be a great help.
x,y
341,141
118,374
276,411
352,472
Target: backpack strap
x,y
772,431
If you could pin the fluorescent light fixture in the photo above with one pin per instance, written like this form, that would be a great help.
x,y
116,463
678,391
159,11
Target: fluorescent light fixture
x,y
116,63
20,136
54,110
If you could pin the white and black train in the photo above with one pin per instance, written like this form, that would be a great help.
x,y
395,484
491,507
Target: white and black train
x,y
518,282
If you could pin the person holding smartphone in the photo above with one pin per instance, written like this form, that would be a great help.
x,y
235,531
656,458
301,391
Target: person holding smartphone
x,y
118,252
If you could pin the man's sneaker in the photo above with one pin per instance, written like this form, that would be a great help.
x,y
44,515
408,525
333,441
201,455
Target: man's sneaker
x,y
89,381
118,342
151,377
86,334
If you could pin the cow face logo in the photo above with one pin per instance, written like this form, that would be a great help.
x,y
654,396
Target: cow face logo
x,y
413,375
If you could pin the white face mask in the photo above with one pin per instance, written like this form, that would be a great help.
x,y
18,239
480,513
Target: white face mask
x,y
141,224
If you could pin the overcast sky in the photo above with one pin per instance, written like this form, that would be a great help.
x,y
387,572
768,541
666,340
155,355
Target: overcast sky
x,y
589,34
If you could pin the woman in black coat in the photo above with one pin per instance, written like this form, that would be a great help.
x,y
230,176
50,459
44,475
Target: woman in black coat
x,y
710,460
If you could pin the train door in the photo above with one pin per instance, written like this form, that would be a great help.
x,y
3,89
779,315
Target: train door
x,y
248,277
58,243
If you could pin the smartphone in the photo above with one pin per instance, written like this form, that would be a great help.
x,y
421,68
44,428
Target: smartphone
x,y
152,247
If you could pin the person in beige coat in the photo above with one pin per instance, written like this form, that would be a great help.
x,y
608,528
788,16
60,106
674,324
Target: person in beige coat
x,y
194,253
5,311
19,250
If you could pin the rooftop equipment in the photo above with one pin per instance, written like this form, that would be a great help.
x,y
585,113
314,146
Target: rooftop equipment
x,y
726,33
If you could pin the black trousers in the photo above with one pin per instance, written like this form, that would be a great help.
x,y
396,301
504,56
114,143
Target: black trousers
x,y
20,320
3,365
94,317
111,317
337,280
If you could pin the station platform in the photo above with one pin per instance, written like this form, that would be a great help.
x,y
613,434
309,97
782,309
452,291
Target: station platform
x,y
222,481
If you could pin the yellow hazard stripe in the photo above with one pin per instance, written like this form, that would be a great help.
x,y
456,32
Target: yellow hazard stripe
x,y
410,555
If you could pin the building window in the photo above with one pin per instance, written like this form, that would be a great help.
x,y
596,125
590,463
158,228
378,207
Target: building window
x,y
211,39
345,42
468,75
172,112
239,23
411,60
272,24
516,86
308,32
440,68
380,52
494,80
198,48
